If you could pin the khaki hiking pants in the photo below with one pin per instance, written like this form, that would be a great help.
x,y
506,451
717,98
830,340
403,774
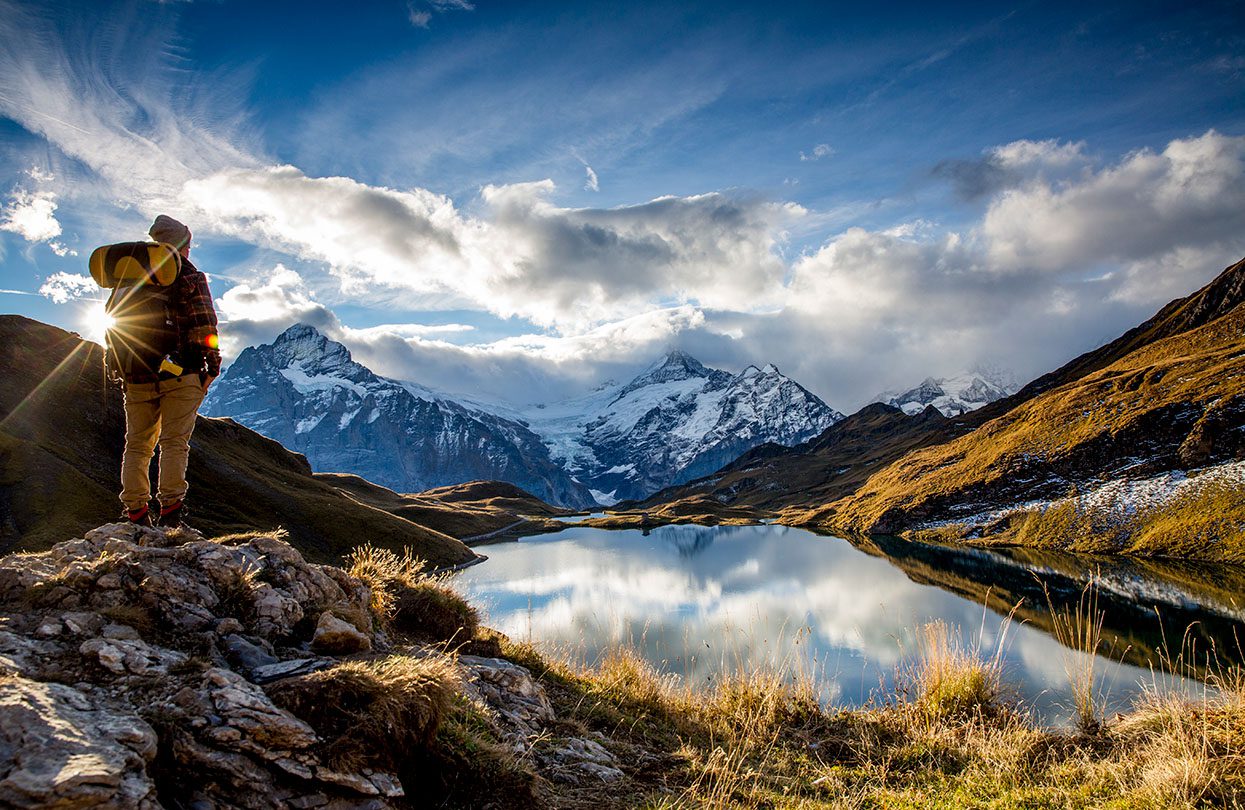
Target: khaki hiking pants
x,y
167,414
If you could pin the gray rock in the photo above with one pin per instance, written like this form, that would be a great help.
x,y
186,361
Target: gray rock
x,y
130,657
508,691
61,751
246,655
288,669
86,745
601,772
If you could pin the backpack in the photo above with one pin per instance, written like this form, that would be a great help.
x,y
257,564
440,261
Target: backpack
x,y
142,304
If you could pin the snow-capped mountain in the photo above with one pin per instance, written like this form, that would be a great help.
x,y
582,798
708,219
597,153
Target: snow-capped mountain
x,y
953,395
676,421
306,392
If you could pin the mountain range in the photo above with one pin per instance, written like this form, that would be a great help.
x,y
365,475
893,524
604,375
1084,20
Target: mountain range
x,y
306,392
675,421
954,395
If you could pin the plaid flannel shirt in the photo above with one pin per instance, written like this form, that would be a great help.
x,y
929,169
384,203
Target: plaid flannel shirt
x,y
196,320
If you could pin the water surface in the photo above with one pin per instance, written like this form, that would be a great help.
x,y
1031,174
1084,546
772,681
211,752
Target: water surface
x,y
696,599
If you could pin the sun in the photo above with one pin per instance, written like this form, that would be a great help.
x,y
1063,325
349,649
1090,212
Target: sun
x,y
95,322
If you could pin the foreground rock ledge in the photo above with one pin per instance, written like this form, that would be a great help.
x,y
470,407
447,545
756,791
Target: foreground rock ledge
x,y
133,665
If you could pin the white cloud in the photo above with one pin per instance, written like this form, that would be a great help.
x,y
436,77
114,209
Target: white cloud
x,y
561,268
1190,194
258,311
819,151
591,183
1024,154
532,367
64,287
31,215
420,14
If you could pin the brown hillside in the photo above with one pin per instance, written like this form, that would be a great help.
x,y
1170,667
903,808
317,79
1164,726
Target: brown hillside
x,y
465,511
1174,403
1215,300
61,436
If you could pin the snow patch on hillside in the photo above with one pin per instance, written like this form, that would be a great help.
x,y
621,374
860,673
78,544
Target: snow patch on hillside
x,y
1121,498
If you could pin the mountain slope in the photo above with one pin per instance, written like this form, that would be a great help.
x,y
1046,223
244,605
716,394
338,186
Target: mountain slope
x,y
306,392
1174,400
1212,301
770,478
1166,396
476,510
676,421
61,436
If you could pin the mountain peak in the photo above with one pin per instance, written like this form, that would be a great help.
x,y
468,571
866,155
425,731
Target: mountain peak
x,y
676,365
954,395
677,358
297,332
305,346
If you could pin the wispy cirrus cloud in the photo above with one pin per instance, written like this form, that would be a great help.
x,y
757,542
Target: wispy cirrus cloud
x,y
821,150
420,12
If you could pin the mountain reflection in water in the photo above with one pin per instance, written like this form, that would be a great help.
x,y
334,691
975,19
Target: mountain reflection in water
x,y
695,600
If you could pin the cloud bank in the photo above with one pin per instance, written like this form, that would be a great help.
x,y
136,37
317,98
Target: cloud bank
x,y
1067,249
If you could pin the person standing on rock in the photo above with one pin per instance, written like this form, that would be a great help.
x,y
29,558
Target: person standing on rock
x,y
162,394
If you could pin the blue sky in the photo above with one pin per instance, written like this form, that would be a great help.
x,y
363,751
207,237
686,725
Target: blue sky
x,y
519,199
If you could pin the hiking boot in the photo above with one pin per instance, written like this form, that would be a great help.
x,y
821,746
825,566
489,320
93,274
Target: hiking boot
x,y
171,516
140,516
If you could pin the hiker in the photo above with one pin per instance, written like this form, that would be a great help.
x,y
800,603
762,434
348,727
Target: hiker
x,y
164,348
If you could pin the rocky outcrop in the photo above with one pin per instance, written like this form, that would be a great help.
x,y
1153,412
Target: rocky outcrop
x,y
148,668
118,652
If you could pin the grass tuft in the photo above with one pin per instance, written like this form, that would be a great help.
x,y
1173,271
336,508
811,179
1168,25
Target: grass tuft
x,y
384,571
1078,629
952,680
373,713
430,610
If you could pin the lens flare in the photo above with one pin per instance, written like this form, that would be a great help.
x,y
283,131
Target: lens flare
x,y
95,323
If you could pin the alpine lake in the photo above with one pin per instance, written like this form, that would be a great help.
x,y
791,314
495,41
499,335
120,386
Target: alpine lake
x,y
697,601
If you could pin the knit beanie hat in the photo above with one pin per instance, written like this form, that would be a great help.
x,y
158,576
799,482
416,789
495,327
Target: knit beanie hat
x,y
170,231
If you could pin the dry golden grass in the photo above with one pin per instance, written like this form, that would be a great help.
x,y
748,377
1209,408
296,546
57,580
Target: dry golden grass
x,y
760,738
373,713
1079,630
1202,517
384,572
410,601
1110,411
952,680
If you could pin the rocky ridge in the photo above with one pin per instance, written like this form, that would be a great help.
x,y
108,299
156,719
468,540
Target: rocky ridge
x,y
145,668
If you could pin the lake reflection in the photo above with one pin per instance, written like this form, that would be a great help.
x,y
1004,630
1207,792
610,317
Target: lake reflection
x,y
694,599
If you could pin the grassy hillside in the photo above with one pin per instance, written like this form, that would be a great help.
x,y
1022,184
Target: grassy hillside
x,y
61,436
1175,403
464,511
1212,301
